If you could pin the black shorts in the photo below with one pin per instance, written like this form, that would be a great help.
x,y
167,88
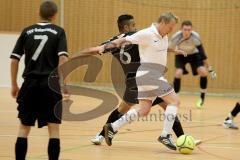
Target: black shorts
x,y
195,61
36,101
131,93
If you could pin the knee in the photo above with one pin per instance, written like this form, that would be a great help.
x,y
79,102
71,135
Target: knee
x,y
53,130
176,101
178,73
144,111
124,107
203,72
23,131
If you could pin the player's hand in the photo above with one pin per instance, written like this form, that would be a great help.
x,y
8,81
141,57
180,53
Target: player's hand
x,y
181,52
14,91
100,49
212,72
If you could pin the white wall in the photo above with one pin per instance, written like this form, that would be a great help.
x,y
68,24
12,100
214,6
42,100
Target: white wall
x,y
7,42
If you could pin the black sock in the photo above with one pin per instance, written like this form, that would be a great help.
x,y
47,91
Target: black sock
x,y
53,148
203,82
115,115
177,127
202,96
236,110
21,148
177,84
203,85
227,118
158,100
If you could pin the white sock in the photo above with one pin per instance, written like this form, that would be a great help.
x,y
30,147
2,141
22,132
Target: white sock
x,y
170,114
129,117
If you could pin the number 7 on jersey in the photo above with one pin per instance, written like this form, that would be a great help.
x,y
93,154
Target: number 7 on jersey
x,y
39,49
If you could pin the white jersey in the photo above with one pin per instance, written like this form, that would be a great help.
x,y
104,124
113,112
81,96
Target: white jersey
x,y
153,58
152,46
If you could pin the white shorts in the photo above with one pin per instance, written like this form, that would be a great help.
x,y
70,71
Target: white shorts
x,y
151,84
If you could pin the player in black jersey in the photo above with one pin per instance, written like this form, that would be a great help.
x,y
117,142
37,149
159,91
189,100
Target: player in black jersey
x,y
45,48
129,58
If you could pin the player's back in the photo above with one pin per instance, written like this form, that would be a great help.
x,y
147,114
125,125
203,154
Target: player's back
x,y
42,44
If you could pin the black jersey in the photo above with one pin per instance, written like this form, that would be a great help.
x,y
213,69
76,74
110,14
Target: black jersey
x,y
128,57
42,44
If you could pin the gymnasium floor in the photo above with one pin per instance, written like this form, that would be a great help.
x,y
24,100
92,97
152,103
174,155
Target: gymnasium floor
x,y
135,141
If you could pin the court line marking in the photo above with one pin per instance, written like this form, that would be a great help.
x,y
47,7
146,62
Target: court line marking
x,y
158,143
111,89
144,142
64,150
213,155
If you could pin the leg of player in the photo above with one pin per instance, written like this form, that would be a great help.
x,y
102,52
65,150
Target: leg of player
x,y
124,108
177,126
142,110
177,79
228,122
203,73
170,113
115,115
21,143
54,141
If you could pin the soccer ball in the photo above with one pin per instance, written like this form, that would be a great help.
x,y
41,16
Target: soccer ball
x,y
185,144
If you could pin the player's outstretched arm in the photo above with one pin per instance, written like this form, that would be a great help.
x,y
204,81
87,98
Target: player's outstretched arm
x,y
87,51
112,45
107,47
14,72
177,51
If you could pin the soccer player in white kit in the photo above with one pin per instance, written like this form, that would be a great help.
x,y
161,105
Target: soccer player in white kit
x,y
153,46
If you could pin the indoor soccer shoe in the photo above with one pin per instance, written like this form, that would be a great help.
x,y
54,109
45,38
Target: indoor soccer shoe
x,y
108,133
200,103
167,141
98,139
229,124
197,142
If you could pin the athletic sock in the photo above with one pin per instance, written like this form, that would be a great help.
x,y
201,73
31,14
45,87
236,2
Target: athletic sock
x,y
177,84
177,127
53,148
170,114
21,148
202,96
203,86
115,115
234,112
129,117
158,100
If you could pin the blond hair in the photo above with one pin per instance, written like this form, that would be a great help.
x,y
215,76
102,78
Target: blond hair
x,y
167,17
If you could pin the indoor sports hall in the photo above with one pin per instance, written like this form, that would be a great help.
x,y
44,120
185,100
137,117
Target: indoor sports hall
x,y
96,85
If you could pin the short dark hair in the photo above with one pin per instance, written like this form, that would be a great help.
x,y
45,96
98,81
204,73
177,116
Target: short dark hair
x,y
123,20
186,23
48,9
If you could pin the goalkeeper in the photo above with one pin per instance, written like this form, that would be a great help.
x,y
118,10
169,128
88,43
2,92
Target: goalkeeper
x,y
189,41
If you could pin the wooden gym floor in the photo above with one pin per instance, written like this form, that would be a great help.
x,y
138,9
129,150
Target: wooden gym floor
x,y
135,141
